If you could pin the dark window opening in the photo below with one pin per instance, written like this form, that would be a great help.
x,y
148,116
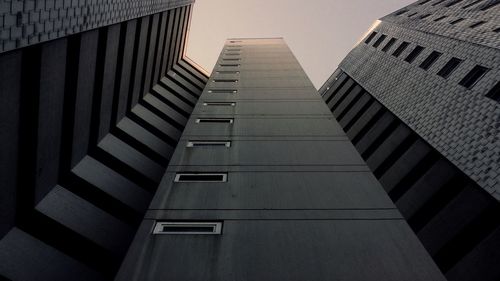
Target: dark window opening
x,y
424,16
438,2
389,45
379,40
477,24
471,4
370,37
490,5
214,120
473,76
449,67
457,21
414,54
188,227
424,2
200,177
430,60
497,30
494,93
452,3
400,49
412,14
220,91
398,13
440,18
225,80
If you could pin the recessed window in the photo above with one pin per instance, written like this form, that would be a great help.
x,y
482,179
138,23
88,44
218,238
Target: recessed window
x,y
225,80
208,143
490,5
231,59
414,54
400,49
412,14
215,120
494,93
438,2
471,4
474,25
473,76
452,3
430,60
389,45
379,40
457,21
424,16
228,65
188,227
449,67
497,30
370,37
440,18
227,72
222,91
398,13
219,104
424,2
200,177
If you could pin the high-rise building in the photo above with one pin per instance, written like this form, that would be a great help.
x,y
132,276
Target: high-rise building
x,y
419,97
265,185
94,96
122,159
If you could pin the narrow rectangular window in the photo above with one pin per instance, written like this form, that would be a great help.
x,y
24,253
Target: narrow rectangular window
x,y
400,49
188,228
473,76
424,16
223,91
474,25
235,41
490,5
231,59
370,37
208,143
215,120
457,21
225,80
497,30
471,4
438,2
228,65
389,45
398,13
440,18
232,54
412,14
414,54
200,177
494,93
449,67
430,60
219,104
379,40
424,2
227,72
452,3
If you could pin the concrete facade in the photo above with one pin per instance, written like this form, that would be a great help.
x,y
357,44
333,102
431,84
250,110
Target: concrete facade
x,y
288,210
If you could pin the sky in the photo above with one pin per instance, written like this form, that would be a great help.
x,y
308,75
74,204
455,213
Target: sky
x,y
319,32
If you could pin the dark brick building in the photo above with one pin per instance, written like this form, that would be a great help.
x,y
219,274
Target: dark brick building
x,y
419,97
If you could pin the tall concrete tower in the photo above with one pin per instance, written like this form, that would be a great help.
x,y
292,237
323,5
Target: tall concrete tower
x,y
265,185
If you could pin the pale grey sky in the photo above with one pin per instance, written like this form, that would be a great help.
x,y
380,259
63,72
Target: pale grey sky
x,y
319,32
